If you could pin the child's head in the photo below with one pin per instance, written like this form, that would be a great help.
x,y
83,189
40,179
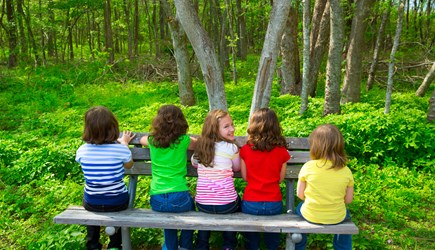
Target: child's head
x,y
218,126
327,142
168,125
264,131
101,126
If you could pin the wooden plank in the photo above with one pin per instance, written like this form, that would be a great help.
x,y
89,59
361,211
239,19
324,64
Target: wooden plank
x,y
146,218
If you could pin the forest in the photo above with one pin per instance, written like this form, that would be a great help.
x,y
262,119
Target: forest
x,y
366,66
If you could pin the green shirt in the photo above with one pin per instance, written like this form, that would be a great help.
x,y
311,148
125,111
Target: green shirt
x,y
168,167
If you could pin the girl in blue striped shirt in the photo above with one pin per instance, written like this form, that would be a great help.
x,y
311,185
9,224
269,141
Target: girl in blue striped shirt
x,y
103,158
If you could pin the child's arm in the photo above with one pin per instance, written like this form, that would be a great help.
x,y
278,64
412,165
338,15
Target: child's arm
x,y
243,169
126,137
192,143
194,161
349,195
236,163
301,189
144,140
283,170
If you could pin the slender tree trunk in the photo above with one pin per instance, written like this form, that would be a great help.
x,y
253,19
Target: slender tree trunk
x,y
242,43
379,39
30,34
290,69
204,50
352,80
306,55
22,34
232,45
269,55
431,111
181,54
51,39
333,68
128,23
136,28
421,91
108,34
12,34
392,57
318,49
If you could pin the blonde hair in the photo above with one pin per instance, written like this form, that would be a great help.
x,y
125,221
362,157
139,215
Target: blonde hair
x,y
264,132
205,145
327,142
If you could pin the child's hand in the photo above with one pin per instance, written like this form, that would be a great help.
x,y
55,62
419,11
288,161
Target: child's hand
x,y
127,136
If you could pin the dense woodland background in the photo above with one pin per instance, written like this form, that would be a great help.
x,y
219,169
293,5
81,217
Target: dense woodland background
x,y
366,66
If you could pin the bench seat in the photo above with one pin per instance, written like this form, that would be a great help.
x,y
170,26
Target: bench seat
x,y
146,218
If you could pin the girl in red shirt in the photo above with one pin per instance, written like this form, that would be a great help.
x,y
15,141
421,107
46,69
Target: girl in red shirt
x,y
263,165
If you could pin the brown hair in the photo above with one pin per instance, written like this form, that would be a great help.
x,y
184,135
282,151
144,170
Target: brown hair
x,y
101,126
264,131
327,142
167,126
204,147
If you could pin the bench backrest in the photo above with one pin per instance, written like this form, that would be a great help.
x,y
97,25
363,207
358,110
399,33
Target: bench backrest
x,y
298,149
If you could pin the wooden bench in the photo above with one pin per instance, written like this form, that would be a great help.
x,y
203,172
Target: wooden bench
x,y
287,223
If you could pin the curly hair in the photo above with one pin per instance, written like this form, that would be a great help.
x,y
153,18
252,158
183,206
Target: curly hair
x,y
167,126
101,126
264,131
205,145
327,142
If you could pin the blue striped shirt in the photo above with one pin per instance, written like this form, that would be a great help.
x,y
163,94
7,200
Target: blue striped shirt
x,y
103,169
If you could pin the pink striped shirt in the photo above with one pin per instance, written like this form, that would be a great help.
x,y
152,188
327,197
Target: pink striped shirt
x,y
215,185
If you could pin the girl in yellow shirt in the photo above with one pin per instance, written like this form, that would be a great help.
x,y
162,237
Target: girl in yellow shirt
x,y
325,184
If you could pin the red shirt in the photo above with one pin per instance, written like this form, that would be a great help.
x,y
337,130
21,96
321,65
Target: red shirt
x,y
263,171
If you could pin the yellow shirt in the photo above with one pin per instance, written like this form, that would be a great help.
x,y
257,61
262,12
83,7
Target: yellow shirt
x,y
324,192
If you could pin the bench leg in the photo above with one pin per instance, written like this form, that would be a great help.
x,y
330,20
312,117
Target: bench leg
x,y
126,241
291,240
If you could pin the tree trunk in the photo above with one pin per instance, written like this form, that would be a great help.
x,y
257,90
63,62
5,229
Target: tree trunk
x,y
352,80
51,39
242,43
269,55
431,111
127,6
306,55
24,48
108,34
12,34
318,48
426,82
379,39
204,50
392,55
181,54
136,28
333,68
290,69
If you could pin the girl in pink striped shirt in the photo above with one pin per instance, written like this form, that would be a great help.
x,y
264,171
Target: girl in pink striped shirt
x,y
217,158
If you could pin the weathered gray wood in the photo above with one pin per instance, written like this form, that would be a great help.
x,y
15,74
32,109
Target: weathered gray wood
x,y
146,218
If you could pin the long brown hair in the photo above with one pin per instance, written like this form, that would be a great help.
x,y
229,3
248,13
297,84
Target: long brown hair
x,y
264,132
101,126
167,126
205,145
327,142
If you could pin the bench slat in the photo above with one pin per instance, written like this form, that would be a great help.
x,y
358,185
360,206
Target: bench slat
x,y
146,218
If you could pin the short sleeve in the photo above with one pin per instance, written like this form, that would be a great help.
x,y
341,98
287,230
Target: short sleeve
x,y
303,173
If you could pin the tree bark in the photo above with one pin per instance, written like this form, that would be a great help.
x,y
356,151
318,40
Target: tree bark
x,y
242,43
127,6
431,111
108,34
181,54
333,67
318,48
421,91
269,55
352,81
290,69
392,55
12,34
306,55
379,39
204,50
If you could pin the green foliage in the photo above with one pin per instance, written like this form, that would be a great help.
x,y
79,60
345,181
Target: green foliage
x,y
392,156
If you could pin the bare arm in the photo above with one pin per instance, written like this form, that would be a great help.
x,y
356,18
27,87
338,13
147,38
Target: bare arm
x,y
283,170
301,189
192,143
349,195
126,137
236,163
243,169
144,140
